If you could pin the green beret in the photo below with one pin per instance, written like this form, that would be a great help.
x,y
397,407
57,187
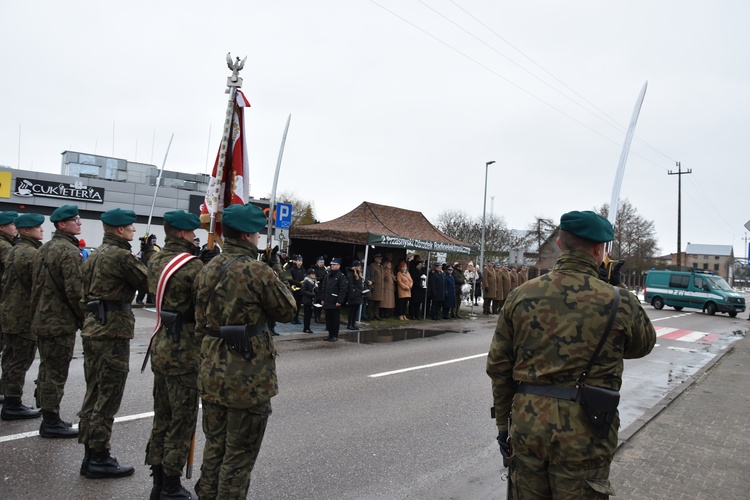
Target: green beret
x,y
118,217
65,212
7,217
244,218
29,220
588,226
180,219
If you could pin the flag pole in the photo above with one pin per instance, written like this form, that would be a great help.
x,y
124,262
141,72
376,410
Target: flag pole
x,y
234,82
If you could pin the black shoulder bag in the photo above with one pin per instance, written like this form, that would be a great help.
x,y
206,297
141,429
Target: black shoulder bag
x,y
600,404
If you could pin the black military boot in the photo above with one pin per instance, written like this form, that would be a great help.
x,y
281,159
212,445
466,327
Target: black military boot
x,y
173,490
158,473
86,459
54,427
13,409
103,465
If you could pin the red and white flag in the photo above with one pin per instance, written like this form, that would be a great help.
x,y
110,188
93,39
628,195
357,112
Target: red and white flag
x,y
234,183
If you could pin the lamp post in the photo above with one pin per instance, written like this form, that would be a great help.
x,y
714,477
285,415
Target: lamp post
x,y
484,214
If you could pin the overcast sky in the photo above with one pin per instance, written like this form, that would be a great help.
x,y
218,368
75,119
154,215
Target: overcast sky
x,y
402,102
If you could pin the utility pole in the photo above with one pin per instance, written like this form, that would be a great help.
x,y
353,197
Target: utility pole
x,y
679,175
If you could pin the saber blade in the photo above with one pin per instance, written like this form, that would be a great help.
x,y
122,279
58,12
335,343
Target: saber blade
x,y
615,200
272,203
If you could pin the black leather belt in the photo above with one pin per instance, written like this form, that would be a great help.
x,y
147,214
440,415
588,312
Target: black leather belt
x,y
251,331
110,305
550,391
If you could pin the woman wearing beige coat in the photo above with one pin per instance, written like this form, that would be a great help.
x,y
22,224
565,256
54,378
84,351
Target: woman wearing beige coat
x,y
388,300
404,283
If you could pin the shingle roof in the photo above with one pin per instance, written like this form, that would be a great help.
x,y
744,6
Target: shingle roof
x,y
370,218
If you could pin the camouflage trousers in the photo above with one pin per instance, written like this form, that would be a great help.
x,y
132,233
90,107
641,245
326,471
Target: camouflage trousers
x,y
233,439
18,354
175,416
556,453
106,363
532,478
55,354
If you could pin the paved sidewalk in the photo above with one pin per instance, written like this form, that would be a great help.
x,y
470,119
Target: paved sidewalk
x,y
696,442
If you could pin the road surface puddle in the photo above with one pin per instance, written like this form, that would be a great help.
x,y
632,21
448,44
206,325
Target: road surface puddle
x,y
392,335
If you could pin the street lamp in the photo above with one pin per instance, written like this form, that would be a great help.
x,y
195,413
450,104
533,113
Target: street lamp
x,y
484,214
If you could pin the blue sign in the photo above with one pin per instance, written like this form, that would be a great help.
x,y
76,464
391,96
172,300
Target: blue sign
x,y
283,215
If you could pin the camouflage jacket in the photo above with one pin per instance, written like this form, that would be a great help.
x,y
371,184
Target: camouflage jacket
x,y
169,357
56,290
549,328
235,288
6,243
15,308
114,274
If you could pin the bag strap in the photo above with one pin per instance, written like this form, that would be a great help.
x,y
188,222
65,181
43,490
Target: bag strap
x,y
608,328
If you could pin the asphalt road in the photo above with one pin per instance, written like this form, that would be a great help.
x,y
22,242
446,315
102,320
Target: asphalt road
x,y
344,425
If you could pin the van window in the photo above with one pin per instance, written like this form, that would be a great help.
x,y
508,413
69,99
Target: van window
x,y
679,281
701,283
719,283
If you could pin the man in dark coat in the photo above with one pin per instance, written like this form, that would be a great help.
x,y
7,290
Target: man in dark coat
x,y
354,296
436,291
460,279
449,302
334,295
419,284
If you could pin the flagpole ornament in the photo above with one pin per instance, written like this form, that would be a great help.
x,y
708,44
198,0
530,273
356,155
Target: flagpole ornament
x,y
236,67
229,178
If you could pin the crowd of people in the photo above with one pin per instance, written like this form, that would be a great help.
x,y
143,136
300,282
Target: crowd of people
x,y
409,291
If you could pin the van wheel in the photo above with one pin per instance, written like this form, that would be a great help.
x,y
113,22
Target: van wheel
x,y
677,308
733,314
710,309
657,303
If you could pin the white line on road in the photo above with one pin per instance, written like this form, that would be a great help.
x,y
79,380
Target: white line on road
x,y
672,317
126,418
376,375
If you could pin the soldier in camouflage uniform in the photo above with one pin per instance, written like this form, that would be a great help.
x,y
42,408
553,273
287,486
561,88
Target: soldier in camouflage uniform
x,y
111,277
19,345
175,355
56,301
235,297
547,332
8,234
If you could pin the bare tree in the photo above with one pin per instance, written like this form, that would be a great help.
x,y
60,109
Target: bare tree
x,y
635,241
303,211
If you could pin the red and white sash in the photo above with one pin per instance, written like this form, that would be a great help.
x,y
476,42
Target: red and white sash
x,y
172,267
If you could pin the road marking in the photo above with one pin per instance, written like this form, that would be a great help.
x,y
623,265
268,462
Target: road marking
x,y
672,317
403,370
23,435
